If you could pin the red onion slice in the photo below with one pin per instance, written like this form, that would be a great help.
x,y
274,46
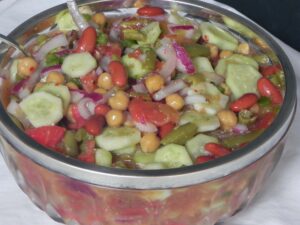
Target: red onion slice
x,y
172,87
184,63
146,127
175,28
47,70
77,95
240,128
57,41
77,17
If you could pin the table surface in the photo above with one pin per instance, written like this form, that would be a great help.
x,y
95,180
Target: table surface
x,y
277,204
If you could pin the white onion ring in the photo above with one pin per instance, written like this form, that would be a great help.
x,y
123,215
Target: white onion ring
x,y
173,87
194,99
84,108
146,127
57,41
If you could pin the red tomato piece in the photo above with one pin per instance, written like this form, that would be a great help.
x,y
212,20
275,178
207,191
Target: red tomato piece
x,y
150,11
118,73
88,155
87,41
203,159
94,125
74,116
244,102
265,121
269,70
101,109
216,149
89,81
267,89
48,136
164,130
152,112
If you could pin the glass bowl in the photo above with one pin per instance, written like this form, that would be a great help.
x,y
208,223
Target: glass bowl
x,y
74,193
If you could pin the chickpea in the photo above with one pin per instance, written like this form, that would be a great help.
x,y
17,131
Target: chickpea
x,y
114,118
26,66
243,48
72,85
175,101
228,119
154,83
150,142
99,18
105,81
225,54
119,101
56,78
100,91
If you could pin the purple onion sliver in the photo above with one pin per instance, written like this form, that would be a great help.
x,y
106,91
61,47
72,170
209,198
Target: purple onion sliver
x,y
184,63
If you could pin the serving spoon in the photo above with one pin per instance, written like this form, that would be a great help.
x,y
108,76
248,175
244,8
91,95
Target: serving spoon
x,y
6,43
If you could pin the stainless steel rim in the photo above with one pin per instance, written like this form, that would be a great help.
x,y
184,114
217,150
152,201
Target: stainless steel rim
x,y
159,179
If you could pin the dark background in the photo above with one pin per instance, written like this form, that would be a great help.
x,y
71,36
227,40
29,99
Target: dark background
x,y
279,17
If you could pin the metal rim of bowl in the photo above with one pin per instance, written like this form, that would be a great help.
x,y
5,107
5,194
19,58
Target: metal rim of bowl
x,y
168,178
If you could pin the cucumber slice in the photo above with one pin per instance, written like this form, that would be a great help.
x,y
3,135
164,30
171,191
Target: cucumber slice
x,y
128,150
78,64
60,91
152,32
240,28
234,59
103,158
219,37
202,64
117,138
142,158
203,121
173,156
242,79
195,146
42,109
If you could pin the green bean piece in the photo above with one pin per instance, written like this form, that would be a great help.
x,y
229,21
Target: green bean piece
x,y
82,135
262,59
196,50
149,63
133,35
236,141
70,144
128,43
181,134
52,59
246,117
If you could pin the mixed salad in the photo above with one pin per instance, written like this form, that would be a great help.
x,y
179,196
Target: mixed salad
x,y
152,90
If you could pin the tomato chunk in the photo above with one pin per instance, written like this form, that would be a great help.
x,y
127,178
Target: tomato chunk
x,y
216,149
48,136
94,125
88,154
87,41
152,112
166,129
203,159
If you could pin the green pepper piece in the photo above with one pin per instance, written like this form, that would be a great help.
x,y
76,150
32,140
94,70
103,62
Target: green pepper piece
x,y
196,50
128,43
41,39
102,38
264,102
52,59
133,35
87,17
70,144
181,134
237,141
